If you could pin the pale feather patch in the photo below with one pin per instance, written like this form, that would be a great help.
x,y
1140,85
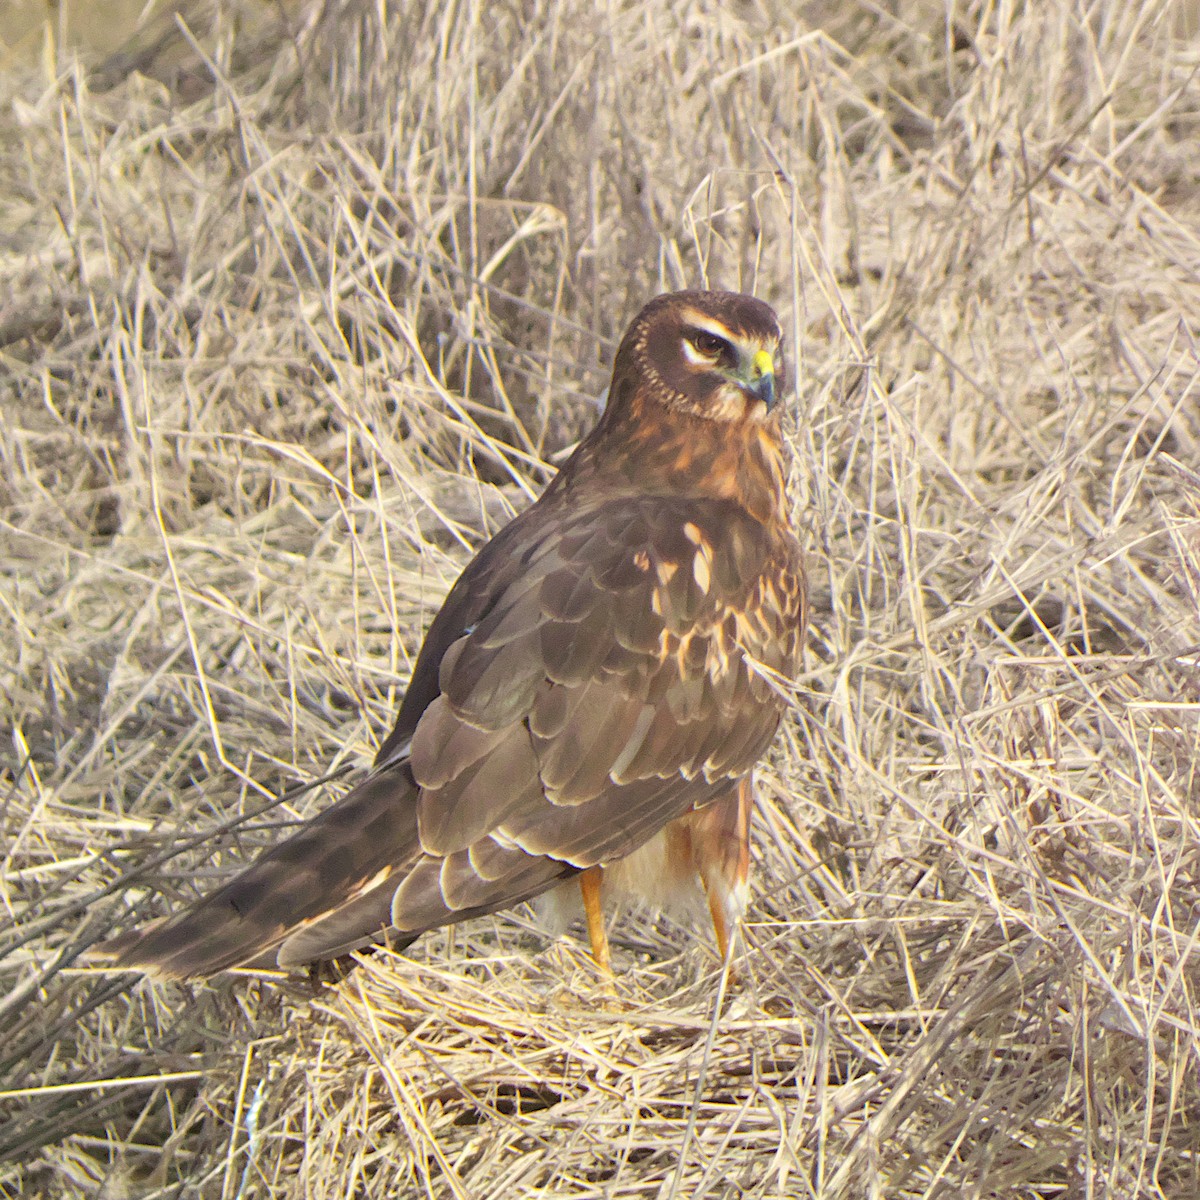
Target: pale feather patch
x,y
367,885
397,755
698,320
654,876
730,403
634,744
702,562
650,876
734,900
716,662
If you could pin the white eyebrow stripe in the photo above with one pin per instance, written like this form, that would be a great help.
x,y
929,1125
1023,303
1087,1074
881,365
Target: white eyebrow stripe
x,y
708,325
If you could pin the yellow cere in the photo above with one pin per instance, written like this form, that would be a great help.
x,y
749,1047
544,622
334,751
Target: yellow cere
x,y
762,364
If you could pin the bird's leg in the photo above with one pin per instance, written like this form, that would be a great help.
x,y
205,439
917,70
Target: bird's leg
x,y
589,887
725,926
721,855
720,922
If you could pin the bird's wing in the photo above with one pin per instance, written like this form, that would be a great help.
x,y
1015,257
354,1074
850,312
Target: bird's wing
x,y
594,674
625,672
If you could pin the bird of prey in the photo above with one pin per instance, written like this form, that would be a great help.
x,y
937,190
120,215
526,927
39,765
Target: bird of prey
x,y
592,697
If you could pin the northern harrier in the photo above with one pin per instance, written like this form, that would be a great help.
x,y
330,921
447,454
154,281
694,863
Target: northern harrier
x,y
591,699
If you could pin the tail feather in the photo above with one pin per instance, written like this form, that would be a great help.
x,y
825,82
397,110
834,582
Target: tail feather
x,y
365,919
347,854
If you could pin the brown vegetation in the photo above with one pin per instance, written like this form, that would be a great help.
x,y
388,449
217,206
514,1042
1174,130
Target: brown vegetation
x,y
301,302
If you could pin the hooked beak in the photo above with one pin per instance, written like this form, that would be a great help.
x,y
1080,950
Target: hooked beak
x,y
759,380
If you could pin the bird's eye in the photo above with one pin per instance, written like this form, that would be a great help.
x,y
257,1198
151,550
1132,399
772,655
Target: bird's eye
x,y
708,343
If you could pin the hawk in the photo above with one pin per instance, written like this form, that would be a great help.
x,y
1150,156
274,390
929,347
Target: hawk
x,y
591,699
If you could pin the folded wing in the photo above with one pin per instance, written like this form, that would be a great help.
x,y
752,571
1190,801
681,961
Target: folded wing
x,y
594,674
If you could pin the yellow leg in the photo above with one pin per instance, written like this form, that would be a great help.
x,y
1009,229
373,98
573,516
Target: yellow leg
x,y
720,924
589,887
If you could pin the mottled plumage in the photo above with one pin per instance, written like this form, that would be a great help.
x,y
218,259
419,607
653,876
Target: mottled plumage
x,y
592,696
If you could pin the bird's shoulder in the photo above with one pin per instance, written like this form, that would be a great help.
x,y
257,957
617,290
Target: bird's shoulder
x,y
577,585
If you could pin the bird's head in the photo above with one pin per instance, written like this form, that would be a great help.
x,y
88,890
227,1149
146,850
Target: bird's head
x,y
715,355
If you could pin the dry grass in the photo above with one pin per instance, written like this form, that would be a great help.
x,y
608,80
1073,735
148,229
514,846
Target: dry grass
x,y
299,313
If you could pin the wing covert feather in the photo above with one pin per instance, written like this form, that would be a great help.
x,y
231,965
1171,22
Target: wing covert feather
x,y
612,682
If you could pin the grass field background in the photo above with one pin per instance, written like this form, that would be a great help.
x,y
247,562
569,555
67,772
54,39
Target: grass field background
x,y
301,302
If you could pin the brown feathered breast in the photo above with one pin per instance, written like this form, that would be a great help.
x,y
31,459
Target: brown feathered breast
x,y
595,690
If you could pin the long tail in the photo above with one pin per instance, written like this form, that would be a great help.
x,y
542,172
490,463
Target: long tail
x,y
339,871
